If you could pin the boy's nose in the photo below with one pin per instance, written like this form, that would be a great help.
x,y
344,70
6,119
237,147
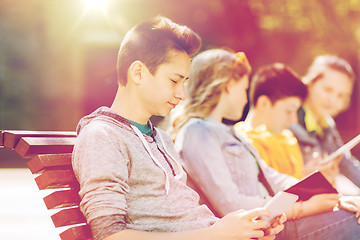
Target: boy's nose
x,y
180,92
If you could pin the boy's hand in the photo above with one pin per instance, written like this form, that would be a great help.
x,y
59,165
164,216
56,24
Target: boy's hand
x,y
246,225
276,227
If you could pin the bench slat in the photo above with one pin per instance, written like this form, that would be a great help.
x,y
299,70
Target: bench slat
x,y
1,138
62,199
69,216
44,162
12,137
57,179
82,232
31,146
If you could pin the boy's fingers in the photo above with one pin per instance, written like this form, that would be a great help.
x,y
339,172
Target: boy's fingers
x,y
261,224
276,229
282,218
258,212
258,234
239,211
267,238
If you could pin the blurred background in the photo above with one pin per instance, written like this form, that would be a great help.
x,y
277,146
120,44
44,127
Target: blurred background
x,y
58,57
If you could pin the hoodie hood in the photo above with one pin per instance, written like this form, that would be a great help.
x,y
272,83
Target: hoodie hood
x,y
108,115
104,114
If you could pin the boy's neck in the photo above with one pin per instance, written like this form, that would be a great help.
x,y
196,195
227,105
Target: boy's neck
x,y
127,106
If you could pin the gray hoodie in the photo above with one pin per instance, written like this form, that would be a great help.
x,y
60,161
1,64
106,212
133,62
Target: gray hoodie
x,y
131,180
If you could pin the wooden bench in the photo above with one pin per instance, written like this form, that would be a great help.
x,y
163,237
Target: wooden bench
x,y
48,156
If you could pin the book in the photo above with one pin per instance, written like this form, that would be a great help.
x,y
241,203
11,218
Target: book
x,y
313,184
346,147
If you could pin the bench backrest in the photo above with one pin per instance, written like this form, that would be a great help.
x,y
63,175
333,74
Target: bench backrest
x,y
49,159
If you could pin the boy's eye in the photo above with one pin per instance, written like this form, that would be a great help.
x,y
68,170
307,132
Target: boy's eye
x,y
173,81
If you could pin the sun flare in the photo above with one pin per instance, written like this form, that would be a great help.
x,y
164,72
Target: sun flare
x,y
95,4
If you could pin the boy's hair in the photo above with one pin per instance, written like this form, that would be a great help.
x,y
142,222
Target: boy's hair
x,y
276,81
150,43
323,62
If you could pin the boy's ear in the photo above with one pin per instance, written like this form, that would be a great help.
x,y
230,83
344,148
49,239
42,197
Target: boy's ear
x,y
228,86
136,71
263,102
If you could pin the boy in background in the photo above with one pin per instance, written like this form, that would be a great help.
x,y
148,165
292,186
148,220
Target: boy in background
x,y
276,93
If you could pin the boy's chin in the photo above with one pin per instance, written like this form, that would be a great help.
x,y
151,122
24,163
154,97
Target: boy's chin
x,y
164,113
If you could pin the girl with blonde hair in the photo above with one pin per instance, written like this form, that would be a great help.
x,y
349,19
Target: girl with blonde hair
x,y
213,69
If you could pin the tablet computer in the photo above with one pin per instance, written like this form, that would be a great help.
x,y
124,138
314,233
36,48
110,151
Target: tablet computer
x,y
346,147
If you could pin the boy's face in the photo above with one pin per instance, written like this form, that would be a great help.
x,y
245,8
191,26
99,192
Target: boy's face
x,y
162,91
329,94
282,114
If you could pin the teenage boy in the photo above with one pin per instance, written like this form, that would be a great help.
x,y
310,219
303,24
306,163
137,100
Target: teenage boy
x,y
131,183
276,93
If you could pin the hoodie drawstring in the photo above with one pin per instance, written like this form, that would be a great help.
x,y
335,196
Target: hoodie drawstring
x,y
147,147
178,165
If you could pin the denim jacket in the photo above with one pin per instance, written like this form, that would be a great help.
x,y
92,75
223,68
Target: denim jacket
x,y
222,166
